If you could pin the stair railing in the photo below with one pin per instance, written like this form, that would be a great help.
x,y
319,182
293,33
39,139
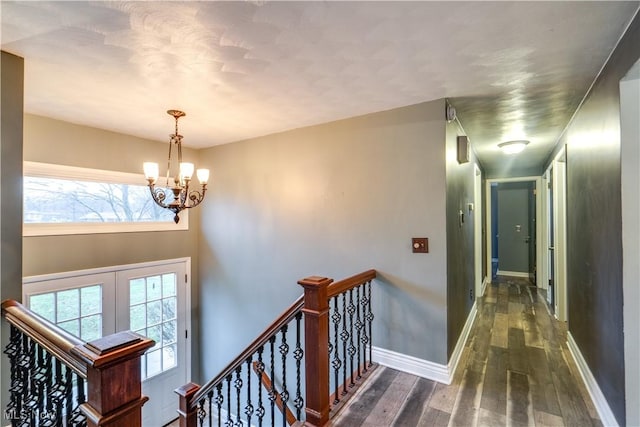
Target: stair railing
x,y
276,397
58,379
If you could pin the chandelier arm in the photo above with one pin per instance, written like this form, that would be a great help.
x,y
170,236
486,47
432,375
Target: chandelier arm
x,y
195,197
158,196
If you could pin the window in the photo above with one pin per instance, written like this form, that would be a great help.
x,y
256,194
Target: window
x,y
77,311
70,200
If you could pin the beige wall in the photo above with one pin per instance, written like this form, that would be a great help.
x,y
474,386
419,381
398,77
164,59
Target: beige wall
x,y
53,141
331,200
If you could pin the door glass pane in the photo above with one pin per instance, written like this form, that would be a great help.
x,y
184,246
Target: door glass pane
x,y
77,311
152,312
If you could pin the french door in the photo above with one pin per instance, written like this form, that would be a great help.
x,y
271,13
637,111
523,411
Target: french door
x,y
150,299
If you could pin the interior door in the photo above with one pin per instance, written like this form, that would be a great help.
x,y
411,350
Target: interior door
x,y
551,238
514,234
152,302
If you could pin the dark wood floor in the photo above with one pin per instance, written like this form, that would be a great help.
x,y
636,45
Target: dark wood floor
x,y
515,370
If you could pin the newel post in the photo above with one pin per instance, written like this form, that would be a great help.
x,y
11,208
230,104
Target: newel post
x,y
188,417
114,393
316,349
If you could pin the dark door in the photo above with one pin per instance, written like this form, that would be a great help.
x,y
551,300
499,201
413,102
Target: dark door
x,y
514,236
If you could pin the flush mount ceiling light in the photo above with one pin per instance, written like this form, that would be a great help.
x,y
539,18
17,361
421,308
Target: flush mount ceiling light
x,y
513,147
180,173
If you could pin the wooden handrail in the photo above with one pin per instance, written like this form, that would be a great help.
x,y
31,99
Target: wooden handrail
x,y
110,365
262,339
54,339
336,288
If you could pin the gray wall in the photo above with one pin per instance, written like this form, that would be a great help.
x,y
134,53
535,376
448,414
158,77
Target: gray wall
x,y
331,200
53,141
11,102
594,241
460,237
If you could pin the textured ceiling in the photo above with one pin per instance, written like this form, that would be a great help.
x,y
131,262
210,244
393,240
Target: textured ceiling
x,y
244,69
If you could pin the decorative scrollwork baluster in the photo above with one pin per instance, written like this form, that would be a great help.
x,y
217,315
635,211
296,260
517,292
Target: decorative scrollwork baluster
x,y
284,394
210,401
229,422
351,309
336,363
248,409
369,318
298,353
237,383
260,370
272,390
219,402
365,337
359,326
344,336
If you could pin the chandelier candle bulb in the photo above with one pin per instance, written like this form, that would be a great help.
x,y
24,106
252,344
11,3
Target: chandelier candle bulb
x,y
151,171
186,170
203,175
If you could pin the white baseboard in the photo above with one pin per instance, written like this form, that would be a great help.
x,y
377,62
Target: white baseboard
x,y
483,289
411,365
424,368
600,402
513,273
462,340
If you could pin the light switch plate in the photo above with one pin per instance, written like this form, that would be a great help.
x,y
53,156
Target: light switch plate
x,y
420,245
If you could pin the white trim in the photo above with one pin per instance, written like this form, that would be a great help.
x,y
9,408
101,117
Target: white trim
x,y
452,366
110,269
485,282
411,365
425,368
514,273
600,402
540,251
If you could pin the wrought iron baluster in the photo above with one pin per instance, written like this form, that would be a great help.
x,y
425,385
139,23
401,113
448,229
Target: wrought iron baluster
x,y
336,363
351,309
272,390
200,412
229,422
260,370
344,335
210,399
248,409
219,402
369,318
68,393
359,326
237,383
284,394
365,336
298,354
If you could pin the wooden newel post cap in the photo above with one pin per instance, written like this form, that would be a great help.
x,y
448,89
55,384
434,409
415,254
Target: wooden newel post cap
x,y
315,281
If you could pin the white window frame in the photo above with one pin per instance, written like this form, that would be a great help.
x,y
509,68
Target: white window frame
x,y
48,170
33,285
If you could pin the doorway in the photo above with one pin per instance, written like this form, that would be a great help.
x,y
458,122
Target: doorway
x,y
556,235
512,211
151,299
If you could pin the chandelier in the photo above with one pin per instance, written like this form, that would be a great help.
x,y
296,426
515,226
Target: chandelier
x,y
184,197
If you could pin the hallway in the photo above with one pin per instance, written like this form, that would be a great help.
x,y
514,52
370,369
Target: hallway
x,y
515,370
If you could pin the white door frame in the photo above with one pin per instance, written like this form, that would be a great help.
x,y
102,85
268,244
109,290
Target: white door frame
x,y
539,250
477,212
559,186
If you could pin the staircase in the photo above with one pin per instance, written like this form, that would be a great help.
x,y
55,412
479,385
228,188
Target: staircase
x,y
301,370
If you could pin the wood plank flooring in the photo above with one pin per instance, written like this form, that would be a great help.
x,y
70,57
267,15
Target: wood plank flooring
x,y
515,370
